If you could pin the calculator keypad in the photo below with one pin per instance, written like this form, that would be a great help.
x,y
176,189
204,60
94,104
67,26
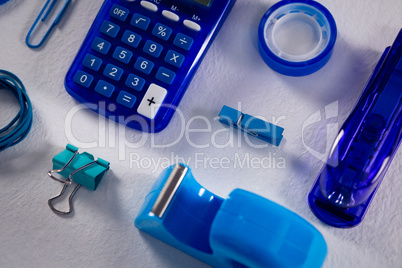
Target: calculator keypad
x,y
170,15
149,6
162,31
152,48
144,65
110,29
132,39
126,99
122,55
92,62
183,41
152,101
140,21
174,58
128,51
104,88
119,12
165,75
113,72
83,79
100,45
135,82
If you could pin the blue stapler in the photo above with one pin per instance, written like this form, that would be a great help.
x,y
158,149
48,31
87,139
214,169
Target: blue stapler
x,y
364,147
244,230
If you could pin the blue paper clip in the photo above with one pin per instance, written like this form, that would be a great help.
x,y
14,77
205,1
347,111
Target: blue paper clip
x,y
244,230
43,15
79,168
364,147
252,125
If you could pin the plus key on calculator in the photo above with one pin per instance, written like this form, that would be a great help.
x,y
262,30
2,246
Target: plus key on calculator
x,y
139,57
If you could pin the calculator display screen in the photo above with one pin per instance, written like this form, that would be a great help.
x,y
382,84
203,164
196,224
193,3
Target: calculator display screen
x,y
204,2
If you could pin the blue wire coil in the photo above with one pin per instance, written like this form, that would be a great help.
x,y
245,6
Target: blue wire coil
x,y
20,126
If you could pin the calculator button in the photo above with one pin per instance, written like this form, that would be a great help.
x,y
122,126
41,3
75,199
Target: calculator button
x,y
149,6
135,82
140,21
122,55
131,38
110,29
152,101
113,72
92,62
192,25
100,45
119,12
183,41
170,15
165,75
83,79
126,99
104,88
144,65
162,31
153,49
174,58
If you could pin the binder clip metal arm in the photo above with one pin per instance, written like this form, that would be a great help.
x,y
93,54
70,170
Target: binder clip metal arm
x,y
79,168
244,230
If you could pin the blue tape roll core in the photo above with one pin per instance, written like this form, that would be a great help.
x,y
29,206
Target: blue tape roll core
x,y
297,37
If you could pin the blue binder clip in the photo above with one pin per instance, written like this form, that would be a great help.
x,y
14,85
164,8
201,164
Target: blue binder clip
x,y
364,148
79,168
43,15
252,125
244,230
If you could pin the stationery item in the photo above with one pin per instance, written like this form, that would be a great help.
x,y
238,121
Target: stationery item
x,y
140,56
79,168
16,131
296,37
244,230
42,17
364,147
3,1
252,125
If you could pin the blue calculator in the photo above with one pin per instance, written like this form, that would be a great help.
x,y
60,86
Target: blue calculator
x,y
139,57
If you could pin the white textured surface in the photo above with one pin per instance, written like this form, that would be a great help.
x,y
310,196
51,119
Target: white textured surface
x,y
101,232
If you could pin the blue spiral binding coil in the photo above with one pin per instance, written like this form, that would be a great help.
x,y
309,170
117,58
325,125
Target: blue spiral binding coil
x,y
20,126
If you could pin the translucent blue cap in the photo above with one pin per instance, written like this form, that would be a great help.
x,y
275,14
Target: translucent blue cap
x,y
297,37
